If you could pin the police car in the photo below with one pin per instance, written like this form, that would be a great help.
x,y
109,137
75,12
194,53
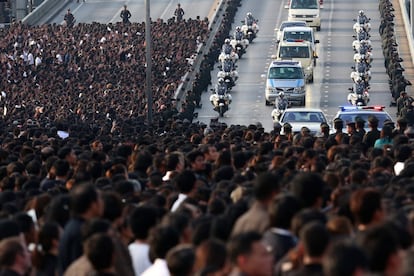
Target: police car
x,y
285,76
350,113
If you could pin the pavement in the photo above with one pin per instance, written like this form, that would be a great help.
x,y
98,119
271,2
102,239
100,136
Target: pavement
x,y
403,46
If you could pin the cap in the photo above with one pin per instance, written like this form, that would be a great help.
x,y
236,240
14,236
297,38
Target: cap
x,y
287,125
277,125
388,122
372,119
305,129
324,125
338,121
351,124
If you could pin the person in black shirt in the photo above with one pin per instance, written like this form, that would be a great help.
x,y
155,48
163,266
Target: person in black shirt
x,y
179,13
125,15
372,135
69,19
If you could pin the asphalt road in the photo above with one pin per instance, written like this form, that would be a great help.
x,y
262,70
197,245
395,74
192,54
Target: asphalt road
x,y
331,83
108,11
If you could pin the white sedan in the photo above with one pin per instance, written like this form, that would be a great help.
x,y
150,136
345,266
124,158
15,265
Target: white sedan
x,y
286,24
300,117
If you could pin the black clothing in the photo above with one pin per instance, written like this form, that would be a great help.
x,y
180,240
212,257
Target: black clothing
x,y
309,270
70,245
370,137
179,12
49,267
281,241
70,19
8,272
125,15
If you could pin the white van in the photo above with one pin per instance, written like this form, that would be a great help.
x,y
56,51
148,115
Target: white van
x,y
299,34
305,10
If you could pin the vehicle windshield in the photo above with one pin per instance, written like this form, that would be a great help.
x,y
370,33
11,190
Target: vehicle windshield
x,y
294,52
292,73
303,116
304,4
351,118
292,24
298,35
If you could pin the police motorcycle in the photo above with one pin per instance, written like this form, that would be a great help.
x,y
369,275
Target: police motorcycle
x,y
238,42
250,27
227,50
228,71
360,36
363,53
361,72
281,104
221,98
358,95
362,22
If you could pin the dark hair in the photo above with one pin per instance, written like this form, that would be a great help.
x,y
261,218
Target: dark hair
x,y
307,187
100,249
178,220
9,249
282,210
47,233
9,228
343,259
213,254
315,238
94,226
378,243
61,167
58,210
364,203
241,244
185,181
112,206
161,240
180,260
142,219
24,221
172,160
81,198
265,185
192,156
63,152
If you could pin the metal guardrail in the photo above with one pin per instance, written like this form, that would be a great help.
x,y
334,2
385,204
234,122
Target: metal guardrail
x,y
47,9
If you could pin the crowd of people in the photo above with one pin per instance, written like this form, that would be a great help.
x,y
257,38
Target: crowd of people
x,y
88,189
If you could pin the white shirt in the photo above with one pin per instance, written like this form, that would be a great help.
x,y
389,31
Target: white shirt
x,y
159,268
177,203
139,255
398,167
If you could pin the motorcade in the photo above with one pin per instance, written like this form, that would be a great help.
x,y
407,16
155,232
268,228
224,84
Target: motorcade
x,y
286,24
285,76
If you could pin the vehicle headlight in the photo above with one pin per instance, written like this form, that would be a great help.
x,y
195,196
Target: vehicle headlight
x,y
270,89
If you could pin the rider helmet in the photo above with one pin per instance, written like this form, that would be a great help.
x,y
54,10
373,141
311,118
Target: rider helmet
x,y
361,12
238,28
227,41
220,80
281,94
249,14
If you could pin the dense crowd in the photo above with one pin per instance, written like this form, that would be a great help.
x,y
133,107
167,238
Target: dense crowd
x,y
86,193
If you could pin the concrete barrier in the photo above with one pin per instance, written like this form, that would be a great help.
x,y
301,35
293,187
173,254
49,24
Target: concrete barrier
x,y
407,27
44,11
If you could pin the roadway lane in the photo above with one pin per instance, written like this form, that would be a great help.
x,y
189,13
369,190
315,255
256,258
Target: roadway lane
x,y
331,82
108,11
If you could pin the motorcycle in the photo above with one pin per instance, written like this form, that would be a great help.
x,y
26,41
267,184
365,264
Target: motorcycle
x,y
228,72
250,31
362,22
361,72
277,112
358,99
228,52
357,44
239,45
221,99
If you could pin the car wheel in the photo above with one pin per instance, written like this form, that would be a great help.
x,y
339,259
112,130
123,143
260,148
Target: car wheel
x,y
318,28
303,102
267,102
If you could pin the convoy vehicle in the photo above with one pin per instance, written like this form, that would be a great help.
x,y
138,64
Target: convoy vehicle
x,y
300,117
297,50
349,114
285,76
305,10
286,24
301,33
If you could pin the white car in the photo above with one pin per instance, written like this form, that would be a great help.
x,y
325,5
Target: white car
x,y
286,24
300,117
308,11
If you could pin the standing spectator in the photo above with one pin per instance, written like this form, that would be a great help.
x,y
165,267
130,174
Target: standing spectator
x,y
186,185
100,251
385,138
179,13
249,256
161,241
45,257
372,135
69,19
256,218
86,203
14,258
345,259
181,260
366,208
309,189
142,220
125,15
